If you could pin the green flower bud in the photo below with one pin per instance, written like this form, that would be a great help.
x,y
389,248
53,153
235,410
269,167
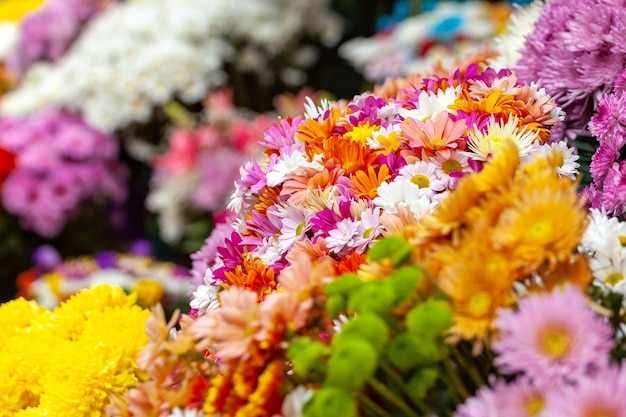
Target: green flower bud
x,y
343,285
427,352
368,327
330,401
335,304
403,350
404,281
372,296
307,356
395,248
352,362
422,381
429,319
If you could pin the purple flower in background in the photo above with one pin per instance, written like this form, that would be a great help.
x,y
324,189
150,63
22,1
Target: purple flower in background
x,y
48,32
46,257
61,164
576,52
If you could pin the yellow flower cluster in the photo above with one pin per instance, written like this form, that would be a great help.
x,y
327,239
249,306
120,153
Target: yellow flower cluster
x,y
70,361
15,10
512,227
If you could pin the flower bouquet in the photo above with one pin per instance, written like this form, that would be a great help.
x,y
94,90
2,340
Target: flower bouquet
x,y
373,251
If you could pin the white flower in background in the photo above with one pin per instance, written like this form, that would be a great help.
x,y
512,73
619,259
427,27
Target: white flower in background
x,y
604,241
509,44
9,32
451,31
295,400
566,155
186,412
141,54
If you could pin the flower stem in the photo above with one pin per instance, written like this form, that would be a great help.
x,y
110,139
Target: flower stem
x,y
473,373
372,409
397,379
391,396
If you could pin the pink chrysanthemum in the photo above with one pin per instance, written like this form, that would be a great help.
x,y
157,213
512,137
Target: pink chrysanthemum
x,y
553,337
601,395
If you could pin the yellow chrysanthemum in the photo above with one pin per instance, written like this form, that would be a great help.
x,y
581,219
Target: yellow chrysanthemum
x,y
72,314
15,10
542,226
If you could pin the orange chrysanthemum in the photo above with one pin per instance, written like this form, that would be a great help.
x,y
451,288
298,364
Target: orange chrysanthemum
x,y
252,275
352,156
366,183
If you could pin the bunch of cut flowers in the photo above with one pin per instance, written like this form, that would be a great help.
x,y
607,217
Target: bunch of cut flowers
x,y
364,279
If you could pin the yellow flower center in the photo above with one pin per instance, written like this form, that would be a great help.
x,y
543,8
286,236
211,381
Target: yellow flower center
x,y
541,230
368,232
438,143
451,165
149,292
479,304
299,228
613,278
535,406
556,343
622,240
421,180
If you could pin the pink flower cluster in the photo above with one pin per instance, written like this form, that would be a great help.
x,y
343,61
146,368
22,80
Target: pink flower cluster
x,y
608,164
61,163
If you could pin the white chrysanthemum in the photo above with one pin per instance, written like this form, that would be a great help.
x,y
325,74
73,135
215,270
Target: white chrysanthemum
x,y
508,45
425,175
186,412
483,145
139,55
9,33
402,191
569,166
295,400
293,163
312,111
609,272
605,235
341,240
204,297
430,104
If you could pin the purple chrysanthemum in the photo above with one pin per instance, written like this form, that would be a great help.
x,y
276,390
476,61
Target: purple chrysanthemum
x,y
575,52
553,337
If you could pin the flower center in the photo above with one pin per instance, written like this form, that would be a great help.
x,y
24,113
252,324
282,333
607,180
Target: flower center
x,y
451,165
622,240
556,343
421,180
613,278
368,232
438,143
541,230
299,228
479,304
535,406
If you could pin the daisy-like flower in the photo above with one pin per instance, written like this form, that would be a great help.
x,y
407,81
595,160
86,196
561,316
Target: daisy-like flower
x,y
482,145
453,166
295,224
442,134
402,191
294,162
425,175
204,298
430,104
553,337
368,229
341,239
567,158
